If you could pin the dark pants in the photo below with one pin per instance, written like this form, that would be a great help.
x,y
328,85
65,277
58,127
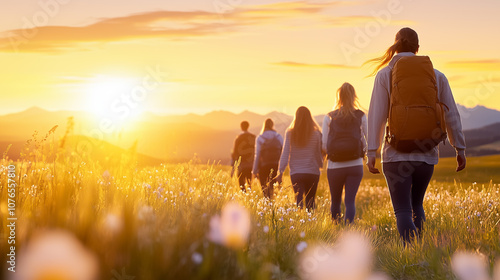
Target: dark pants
x,y
408,181
244,176
305,185
350,177
266,178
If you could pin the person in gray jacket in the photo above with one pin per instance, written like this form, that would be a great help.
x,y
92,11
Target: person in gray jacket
x,y
267,155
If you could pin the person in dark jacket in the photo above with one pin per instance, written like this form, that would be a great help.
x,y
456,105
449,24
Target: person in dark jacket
x,y
243,152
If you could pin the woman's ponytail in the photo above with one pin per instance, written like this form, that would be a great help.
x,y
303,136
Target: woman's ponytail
x,y
406,41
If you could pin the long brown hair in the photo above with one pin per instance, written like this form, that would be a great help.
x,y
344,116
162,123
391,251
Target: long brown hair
x,y
347,100
302,127
406,41
268,125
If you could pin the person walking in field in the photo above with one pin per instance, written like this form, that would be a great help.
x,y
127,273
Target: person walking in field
x,y
344,141
243,151
267,155
302,151
412,104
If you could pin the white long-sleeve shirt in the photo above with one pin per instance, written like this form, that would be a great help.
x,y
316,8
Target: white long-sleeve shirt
x,y
326,130
266,135
307,159
379,110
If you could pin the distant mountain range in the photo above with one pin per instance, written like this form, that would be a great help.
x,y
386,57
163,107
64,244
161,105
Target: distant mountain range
x,y
209,136
477,117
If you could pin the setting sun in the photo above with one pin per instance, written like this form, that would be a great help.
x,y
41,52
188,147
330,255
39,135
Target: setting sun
x,y
111,99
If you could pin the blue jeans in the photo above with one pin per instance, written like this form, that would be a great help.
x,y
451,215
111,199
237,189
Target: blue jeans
x,y
408,181
305,185
350,177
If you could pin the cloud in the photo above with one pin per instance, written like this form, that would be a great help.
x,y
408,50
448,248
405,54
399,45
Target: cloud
x,y
309,65
345,21
470,82
160,24
275,12
476,65
172,25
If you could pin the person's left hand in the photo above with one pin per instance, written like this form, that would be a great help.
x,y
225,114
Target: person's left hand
x,y
279,178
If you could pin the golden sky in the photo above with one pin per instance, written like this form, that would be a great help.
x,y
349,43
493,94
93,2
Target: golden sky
x,y
176,57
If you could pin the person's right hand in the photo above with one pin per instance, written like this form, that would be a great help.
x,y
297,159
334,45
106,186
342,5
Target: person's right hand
x,y
371,166
461,161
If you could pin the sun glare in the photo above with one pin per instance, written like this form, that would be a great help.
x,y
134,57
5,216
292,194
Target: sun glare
x,y
111,99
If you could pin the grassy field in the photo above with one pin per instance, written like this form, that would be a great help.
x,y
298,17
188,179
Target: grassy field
x,y
154,223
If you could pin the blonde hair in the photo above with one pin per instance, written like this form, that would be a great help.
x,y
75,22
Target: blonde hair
x,y
347,101
406,41
302,127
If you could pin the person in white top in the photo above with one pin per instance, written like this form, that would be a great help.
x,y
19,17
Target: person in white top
x,y
344,141
267,155
408,174
302,151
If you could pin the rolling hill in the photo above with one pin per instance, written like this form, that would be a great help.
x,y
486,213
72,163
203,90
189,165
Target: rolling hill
x,y
102,151
209,136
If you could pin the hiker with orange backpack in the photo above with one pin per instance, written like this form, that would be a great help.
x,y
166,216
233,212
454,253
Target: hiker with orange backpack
x,y
413,107
267,156
344,141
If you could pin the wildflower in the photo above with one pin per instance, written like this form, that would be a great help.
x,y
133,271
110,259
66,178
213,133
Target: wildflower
x,y
301,246
302,234
197,258
292,228
145,213
496,271
56,254
232,227
469,266
350,259
379,276
113,223
266,229
106,175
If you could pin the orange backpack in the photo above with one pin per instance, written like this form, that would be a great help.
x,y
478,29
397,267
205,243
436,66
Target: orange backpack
x,y
416,117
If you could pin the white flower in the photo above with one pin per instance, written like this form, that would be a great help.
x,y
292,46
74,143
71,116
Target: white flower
x,y
106,175
145,213
350,259
56,254
232,228
469,266
496,271
301,246
302,234
197,258
113,223
266,229
379,276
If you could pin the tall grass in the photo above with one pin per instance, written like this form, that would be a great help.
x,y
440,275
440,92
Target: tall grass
x,y
152,222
